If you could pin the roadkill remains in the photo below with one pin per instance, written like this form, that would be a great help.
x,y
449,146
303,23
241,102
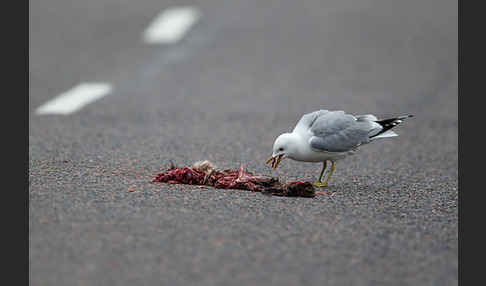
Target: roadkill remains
x,y
204,173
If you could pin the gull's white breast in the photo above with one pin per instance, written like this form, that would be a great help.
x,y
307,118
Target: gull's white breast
x,y
305,153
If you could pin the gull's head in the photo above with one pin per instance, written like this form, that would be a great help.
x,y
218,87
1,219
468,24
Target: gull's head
x,y
282,147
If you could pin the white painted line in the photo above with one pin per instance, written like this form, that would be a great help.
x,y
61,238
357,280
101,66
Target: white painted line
x,y
75,98
171,25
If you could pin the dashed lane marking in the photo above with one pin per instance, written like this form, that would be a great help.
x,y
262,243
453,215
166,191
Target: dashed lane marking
x,y
171,25
75,98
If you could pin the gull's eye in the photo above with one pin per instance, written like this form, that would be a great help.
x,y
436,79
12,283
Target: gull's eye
x,y
280,149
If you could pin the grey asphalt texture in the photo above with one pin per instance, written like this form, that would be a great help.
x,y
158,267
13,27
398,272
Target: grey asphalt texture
x,y
245,74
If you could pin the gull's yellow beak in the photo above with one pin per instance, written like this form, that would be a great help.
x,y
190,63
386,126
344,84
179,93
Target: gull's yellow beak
x,y
269,160
275,161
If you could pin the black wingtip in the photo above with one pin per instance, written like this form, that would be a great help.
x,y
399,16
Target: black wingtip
x,y
388,124
405,116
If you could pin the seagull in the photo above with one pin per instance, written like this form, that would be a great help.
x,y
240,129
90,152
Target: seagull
x,y
324,135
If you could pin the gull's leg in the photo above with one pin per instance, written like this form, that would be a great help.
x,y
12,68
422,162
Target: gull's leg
x,y
330,174
318,183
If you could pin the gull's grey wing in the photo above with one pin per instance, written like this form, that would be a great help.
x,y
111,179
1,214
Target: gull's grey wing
x,y
366,117
336,131
308,119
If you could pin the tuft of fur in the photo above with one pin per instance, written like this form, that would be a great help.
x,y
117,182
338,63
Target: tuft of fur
x,y
206,166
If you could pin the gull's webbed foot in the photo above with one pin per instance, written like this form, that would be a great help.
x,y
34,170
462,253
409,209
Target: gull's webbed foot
x,y
320,184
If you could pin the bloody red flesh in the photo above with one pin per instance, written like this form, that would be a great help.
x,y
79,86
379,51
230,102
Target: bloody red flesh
x,y
235,179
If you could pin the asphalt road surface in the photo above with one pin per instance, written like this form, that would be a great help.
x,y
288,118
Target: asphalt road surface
x,y
243,74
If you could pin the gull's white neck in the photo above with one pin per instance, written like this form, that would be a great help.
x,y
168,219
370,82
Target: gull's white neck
x,y
299,148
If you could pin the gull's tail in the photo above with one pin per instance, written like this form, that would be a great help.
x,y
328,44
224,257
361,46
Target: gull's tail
x,y
388,124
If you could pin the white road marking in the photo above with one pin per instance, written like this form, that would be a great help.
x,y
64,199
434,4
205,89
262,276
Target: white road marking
x,y
75,98
171,25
